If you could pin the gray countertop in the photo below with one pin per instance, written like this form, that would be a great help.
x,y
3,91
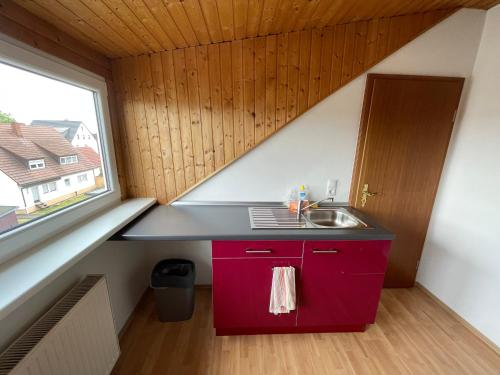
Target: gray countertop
x,y
231,222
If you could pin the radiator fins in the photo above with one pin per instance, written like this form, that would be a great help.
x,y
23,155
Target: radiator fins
x,y
24,344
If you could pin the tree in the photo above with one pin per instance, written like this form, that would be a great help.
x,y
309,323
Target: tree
x,y
6,117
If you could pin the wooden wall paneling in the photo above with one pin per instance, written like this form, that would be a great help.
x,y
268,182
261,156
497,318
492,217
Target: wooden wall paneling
x,y
163,125
293,75
371,43
260,89
337,57
238,101
119,142
326,62
169,80
184,117
348,55
282,80
249,92
359,47
146,84
136,78
271,81
194,111
187,114
304,71
315,67
382,37
124,70
206,108
227,101
216,95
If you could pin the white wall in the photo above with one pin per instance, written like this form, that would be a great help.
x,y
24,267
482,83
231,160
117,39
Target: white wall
x,y
10,194
461,259
321,143
124,265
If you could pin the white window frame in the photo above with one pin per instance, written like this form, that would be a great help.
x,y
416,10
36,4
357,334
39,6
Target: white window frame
x,y
28,236
70,159
67,181
36,164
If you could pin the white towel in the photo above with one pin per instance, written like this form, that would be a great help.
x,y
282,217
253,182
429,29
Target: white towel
x,y
282,290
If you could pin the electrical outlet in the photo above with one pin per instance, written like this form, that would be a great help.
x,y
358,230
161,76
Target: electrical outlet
x,y
331,188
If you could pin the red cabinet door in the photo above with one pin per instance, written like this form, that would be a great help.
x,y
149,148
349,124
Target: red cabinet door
x,y
241,292
341,282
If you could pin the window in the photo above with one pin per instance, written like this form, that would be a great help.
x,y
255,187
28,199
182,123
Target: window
x,y
51,186
67,182
36,164
82,177
38,90
68,159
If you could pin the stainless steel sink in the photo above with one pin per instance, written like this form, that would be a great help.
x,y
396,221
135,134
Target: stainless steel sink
x,y
333,218
314,218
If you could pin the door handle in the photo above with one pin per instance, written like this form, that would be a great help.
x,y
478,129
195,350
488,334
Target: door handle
x,y
254,251
326,251
365,193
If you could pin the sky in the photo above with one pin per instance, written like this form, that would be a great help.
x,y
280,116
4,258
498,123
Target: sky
x,y
28,96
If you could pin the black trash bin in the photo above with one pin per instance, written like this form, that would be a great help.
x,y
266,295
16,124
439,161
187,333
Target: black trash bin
x,y
173,284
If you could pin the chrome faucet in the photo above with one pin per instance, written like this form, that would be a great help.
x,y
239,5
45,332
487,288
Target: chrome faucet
x,y
300,209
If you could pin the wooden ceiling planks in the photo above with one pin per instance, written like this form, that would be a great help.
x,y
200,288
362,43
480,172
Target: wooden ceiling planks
x,y
119,28
188,113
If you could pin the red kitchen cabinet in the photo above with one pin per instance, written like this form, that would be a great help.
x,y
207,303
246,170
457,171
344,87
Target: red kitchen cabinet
x,y
241,278
341,283
338,285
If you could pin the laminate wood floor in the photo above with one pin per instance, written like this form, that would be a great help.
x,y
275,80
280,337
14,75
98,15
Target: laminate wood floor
x,y
413,335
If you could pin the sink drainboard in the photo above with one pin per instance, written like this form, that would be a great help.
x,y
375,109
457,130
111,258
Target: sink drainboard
x,y
273,218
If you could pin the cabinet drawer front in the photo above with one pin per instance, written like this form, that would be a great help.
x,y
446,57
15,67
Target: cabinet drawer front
x,y
353,257
256,249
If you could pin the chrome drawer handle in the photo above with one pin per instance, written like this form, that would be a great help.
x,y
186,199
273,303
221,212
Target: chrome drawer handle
x,y
326,251
253,251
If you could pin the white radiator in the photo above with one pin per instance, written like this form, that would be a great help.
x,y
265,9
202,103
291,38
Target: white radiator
x,y
76,336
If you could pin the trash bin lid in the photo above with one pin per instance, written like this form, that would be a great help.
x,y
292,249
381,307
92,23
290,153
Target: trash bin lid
x,y
179,273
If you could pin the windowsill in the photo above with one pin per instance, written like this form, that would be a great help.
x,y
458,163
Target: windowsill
x,y
25,275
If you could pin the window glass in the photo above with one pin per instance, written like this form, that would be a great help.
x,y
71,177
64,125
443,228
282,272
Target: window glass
x,y
40,150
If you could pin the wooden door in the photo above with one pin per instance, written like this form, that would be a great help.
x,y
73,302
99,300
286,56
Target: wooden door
x,y
405,129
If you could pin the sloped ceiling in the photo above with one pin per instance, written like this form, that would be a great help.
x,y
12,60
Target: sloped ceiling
x,y
119,28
